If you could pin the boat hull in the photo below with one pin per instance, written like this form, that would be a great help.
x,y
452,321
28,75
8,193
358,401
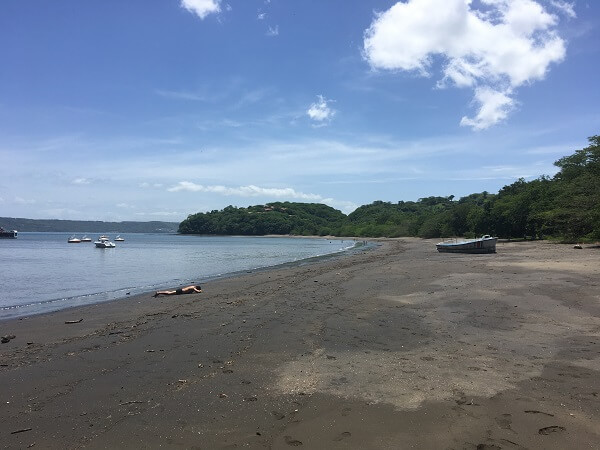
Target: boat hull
x,y
104,244
485,245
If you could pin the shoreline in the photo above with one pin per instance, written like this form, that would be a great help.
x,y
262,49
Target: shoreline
x,y
358,246
396,347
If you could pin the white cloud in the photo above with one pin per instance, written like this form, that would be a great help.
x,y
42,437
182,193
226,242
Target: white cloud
x,y
494,106
256,191
273,31
494,51
564,7
244,191
320,110
81,180
181,95
202,8
261,16
160,213
23,201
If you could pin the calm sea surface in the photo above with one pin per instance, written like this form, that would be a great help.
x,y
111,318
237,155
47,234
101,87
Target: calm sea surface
x,y
41,272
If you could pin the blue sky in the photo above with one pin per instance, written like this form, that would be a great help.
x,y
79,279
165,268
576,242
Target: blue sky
x,y
156,109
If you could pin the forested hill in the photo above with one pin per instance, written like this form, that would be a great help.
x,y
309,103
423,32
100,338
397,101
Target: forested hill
x,y
273,218
84,226
566,206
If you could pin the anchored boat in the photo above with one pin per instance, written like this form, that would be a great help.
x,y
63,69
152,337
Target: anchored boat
x,y
8,234
484,244
104,242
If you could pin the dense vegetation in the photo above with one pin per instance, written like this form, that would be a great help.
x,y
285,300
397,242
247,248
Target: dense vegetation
x,y
86,226
566,206
274,218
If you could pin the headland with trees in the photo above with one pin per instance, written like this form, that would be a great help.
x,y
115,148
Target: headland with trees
x,y
565,207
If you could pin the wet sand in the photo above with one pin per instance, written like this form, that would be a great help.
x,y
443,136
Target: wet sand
x,y
398,347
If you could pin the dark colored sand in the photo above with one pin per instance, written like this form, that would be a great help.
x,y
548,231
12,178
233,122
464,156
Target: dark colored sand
x,y
398,347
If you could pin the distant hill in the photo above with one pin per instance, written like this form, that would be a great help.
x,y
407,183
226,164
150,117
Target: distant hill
x,y
565,207
86,226
272,218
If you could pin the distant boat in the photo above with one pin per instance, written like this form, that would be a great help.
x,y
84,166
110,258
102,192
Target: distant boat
x,y
86,239
484,244
119,239
73,240
8,234
104,242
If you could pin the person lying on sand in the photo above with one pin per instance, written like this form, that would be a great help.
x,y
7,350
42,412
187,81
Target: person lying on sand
x,y
186,290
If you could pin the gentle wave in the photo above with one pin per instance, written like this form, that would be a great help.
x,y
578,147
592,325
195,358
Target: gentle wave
x,y
58,275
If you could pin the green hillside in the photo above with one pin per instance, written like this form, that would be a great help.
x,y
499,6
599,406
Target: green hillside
x,y
566,206
272,218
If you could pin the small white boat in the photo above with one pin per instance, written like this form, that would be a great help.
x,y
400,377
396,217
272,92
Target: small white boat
x,y
104,242
73,240
484,244
86,239
119,239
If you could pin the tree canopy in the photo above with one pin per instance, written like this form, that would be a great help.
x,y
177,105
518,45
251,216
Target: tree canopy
x,y
566,206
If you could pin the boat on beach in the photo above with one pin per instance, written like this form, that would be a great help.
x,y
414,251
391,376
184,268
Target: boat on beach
x,y
104,242
8,234
484,244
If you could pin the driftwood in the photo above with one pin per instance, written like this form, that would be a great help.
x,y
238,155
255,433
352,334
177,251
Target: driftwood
x,y
73,321
21,430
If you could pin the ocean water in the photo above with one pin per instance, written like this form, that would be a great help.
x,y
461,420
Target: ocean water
x,y
41,272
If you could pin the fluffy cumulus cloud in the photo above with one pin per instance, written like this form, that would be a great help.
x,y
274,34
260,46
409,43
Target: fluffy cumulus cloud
x,y
244,191
320,111
494,106
202,8
493,49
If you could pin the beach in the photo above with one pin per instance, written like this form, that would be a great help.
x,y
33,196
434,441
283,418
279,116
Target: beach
x,y
392,348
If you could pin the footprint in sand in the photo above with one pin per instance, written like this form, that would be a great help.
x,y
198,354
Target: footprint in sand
x,y
504,421
344,435
488,447
293,442
550,430
277,415
534,411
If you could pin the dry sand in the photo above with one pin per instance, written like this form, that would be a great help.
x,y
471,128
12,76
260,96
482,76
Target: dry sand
x,y
398,347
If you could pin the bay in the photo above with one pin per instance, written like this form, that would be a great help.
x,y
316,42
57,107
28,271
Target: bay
x,y
41,272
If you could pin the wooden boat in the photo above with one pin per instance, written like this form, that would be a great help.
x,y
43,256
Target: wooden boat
x,y
484,244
